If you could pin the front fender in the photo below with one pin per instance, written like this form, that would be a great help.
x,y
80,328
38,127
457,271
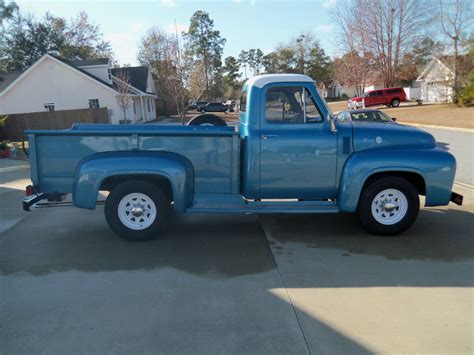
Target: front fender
x,y
94,169
436,166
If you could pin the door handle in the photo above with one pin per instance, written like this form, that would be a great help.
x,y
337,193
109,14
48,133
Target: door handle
x,y
268,136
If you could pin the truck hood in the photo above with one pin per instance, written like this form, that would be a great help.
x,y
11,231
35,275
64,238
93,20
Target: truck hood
x,y
380,135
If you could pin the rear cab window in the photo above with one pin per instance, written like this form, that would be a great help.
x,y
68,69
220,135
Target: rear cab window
x,y
243,101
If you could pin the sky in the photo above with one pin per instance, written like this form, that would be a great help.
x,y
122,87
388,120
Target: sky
x,y
244,23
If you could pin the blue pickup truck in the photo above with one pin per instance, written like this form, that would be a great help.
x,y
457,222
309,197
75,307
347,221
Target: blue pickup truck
x,y
288,155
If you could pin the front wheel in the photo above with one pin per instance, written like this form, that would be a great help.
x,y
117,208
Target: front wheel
x,y
388,206
137,210
395,102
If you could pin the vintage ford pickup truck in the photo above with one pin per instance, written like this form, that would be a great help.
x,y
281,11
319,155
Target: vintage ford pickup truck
x,y
288,155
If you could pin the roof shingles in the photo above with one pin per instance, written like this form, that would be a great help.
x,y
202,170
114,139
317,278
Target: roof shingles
x,y
138,76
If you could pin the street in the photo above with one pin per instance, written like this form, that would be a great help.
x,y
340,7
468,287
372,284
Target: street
x,y
286,284
461,145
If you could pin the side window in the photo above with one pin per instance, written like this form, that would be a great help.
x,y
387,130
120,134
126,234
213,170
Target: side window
x,y
380,93
243,102
394,91
312,112
290,104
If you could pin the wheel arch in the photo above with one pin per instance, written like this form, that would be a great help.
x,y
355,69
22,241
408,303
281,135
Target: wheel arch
x,y
415,178
109,183
103,171
364,167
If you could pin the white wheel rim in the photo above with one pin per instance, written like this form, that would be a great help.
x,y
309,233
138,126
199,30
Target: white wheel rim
x,y
137,211
389,206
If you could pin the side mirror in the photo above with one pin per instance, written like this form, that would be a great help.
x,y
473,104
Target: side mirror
x,y
331,121
394,119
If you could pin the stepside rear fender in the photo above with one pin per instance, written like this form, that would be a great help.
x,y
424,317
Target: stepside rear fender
x,y
435,166
94,169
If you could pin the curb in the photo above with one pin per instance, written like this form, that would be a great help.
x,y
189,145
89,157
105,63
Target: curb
x,y
459,129
463,184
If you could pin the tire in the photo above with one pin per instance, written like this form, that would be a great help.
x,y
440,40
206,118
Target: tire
x,y
152,200
395,103
207,120
390,191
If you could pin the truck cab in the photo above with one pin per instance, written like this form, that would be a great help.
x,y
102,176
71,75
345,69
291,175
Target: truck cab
x,y
288,144
287,155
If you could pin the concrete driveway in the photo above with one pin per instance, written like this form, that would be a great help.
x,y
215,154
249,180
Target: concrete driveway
x,y
234,284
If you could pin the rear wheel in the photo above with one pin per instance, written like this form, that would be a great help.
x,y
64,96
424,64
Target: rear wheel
x,y
137,210
388,206
395,102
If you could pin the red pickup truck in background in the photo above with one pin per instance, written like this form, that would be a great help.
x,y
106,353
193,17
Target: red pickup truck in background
x,y
389,97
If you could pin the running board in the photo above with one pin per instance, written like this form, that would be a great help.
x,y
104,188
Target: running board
x,y
243,206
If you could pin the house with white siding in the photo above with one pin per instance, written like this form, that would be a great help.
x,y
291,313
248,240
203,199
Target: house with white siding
x,y
437,80
54,83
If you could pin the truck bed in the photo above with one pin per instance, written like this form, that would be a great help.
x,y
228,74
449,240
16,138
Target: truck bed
x,y
213,152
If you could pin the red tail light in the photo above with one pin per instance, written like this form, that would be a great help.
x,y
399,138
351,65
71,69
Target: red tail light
x,y
29,190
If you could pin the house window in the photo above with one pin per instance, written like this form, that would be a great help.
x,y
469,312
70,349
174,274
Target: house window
x,y
109,72
134,108
94,103
49,106
148,105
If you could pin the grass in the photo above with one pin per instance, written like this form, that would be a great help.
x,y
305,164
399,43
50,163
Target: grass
x,y
429,114
447,115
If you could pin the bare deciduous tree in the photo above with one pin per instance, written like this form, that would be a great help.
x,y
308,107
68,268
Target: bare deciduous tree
x,y
353,68
162,53
391,30
388,30
454,16
122,95
197,82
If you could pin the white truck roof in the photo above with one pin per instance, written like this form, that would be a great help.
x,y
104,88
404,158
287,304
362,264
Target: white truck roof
x,y
261,80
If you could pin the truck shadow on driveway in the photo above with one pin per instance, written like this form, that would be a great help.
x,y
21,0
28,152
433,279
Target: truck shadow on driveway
x,y
61,239
438,235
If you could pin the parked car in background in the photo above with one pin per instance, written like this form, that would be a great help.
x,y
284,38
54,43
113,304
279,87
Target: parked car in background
x,y
214,107
389,97
231,104
364,115
196,105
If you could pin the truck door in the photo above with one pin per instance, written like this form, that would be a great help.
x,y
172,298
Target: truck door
x,y
298,148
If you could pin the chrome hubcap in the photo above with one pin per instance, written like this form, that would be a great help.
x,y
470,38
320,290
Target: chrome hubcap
x,y
389,206
137,211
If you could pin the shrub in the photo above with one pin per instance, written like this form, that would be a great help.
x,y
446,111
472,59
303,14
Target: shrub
x,y
3,119
466,94
5,145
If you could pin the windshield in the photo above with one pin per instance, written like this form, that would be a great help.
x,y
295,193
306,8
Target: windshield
x,y
364,94
374,116
384,116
